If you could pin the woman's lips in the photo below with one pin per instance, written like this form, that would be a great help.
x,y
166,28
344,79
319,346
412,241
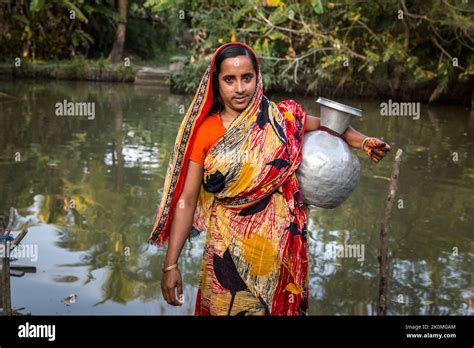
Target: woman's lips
x,y
240,99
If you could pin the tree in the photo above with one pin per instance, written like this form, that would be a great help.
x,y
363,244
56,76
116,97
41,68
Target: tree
x,y
115,55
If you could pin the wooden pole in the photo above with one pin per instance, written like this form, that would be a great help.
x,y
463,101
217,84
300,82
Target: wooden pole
x,y
383,253
26,269
5,280
18,239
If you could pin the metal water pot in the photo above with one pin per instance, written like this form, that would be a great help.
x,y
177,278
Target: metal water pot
x,y
329,171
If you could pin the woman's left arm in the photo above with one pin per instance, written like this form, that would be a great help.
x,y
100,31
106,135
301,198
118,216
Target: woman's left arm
x,y
375,148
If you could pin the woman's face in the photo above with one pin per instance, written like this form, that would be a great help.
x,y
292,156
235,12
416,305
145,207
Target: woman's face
x,y
237,81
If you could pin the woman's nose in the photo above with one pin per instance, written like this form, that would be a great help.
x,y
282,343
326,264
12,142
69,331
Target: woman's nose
x,y
240,86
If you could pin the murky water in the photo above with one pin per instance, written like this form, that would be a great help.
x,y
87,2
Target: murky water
x,y
89,187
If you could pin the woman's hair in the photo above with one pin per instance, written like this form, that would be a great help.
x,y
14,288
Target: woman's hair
x,y
228,52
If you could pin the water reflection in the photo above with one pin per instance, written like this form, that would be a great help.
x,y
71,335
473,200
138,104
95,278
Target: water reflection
x,y
90,189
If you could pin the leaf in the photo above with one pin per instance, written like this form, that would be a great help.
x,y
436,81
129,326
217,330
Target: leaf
x,y
263,118
260,253
161,5
277,17
293,288
317,6
246,175
106,11
241,12
256,208
227,274
274,3
275,35
20,18
36,5
279,163
288,116
215,182
68,4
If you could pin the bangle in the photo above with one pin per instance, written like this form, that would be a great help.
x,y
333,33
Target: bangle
x,y
169,268
363,143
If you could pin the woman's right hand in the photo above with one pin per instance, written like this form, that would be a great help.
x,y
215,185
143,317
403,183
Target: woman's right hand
x,y
170,281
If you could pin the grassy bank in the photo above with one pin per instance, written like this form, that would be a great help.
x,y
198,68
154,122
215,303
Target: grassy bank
x,y
76,69
81,68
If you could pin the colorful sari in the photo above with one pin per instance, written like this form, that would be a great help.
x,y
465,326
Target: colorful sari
x,y
255,257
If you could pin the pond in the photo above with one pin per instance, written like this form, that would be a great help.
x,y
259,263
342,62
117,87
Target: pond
x,y
89,186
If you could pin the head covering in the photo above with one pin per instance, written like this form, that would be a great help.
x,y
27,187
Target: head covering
x,y
179,158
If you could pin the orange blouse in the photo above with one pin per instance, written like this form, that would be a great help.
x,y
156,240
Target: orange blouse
x,y
208,133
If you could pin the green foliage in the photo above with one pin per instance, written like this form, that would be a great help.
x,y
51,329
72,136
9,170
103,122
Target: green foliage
x,y
387,47
50,30
317,6
356,45
140,38
188,79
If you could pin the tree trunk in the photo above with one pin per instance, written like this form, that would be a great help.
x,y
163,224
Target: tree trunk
x,y
5,275
115,55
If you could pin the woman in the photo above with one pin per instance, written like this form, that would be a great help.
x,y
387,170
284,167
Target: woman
x,y
232,174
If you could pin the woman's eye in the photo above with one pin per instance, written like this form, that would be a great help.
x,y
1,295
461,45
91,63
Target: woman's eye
x,y
227,79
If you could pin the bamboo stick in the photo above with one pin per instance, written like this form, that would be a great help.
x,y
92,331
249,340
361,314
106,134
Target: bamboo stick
x,y
383,252
18,239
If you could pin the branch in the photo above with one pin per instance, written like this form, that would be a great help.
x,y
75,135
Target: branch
x,y
444,51
457,8
405,12
314,50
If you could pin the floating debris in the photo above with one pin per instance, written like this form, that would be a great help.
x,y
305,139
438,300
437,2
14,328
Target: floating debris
x,y
380,177
70,299
66,279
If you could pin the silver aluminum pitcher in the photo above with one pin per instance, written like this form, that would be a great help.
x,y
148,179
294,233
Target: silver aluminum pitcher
x,y
329,171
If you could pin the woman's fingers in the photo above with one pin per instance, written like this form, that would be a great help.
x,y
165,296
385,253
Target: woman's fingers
x,y
169,286
166,290
375,159
376,149
374,156
380,153
173,300
170,297
180,292
165,293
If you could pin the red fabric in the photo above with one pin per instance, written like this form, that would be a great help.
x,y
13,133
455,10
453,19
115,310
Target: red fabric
x,y
266,214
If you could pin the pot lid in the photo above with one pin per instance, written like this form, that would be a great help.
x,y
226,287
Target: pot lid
x,y
338,106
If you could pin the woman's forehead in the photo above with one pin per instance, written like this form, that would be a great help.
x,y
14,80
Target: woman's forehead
x,y
236,64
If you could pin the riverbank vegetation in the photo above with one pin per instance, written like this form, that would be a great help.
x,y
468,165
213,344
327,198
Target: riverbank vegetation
x,y
396,48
